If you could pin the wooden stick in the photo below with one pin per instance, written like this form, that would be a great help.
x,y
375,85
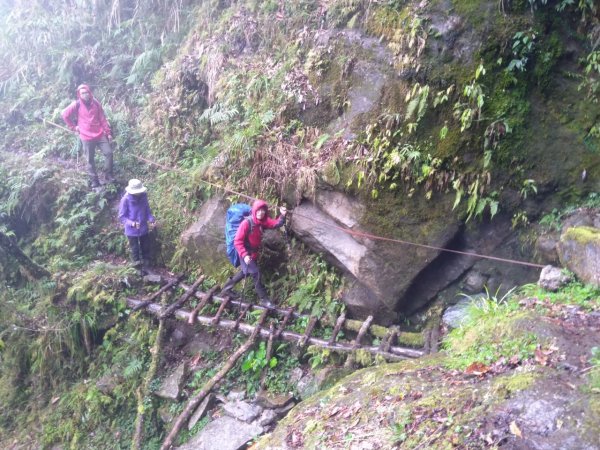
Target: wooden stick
x,y
413,338
339,323
365,326
311,324
284,323
395,353
205,299
184,298
241,316
356,343
59,126
157,294
220,311
389,340
196,399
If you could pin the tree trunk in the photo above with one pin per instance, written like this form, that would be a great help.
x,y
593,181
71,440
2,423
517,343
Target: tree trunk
x,y
33,269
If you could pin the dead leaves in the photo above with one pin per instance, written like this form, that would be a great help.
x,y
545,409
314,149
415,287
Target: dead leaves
x,y
477,369
515,430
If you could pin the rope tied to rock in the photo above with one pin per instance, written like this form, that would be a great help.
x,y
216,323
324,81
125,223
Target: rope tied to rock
x,y
355,233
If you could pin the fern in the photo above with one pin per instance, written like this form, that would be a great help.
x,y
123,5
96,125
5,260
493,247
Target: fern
x,y
145,64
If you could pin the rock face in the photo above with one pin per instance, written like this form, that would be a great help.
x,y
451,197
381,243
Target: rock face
x,y
579,251
171,386
552,278
224,433
204,241
381,272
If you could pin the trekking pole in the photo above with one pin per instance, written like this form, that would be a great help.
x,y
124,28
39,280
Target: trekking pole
x,y
79,144
59,126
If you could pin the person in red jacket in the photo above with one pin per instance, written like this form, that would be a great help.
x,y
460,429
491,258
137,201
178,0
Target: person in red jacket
x,y
86,117
247,243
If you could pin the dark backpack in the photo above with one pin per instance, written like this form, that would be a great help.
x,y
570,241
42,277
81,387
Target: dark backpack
x,y
236,213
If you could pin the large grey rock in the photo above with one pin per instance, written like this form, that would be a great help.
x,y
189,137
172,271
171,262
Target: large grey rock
x,y
380,272
171,386
204,241
241,410
552,278
579,251
224,433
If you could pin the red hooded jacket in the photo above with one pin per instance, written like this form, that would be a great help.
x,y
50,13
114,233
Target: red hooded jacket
x,y
90,118
247,243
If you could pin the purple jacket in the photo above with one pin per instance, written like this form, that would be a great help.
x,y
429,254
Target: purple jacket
x,y
135,208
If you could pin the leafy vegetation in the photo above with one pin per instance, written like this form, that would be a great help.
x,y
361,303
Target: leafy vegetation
x,y
239,93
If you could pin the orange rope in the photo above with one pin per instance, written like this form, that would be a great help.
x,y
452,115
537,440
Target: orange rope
x,y
358,233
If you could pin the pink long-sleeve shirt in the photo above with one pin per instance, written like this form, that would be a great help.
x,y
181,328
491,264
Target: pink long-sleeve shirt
x,y
89,118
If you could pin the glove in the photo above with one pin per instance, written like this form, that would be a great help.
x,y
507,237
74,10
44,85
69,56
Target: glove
x,y
247,259
283,210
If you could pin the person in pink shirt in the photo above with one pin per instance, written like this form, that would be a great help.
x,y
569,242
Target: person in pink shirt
x,y
86,117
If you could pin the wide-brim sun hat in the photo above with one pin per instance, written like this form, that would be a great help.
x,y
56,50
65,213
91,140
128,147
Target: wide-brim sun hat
x,y
135,187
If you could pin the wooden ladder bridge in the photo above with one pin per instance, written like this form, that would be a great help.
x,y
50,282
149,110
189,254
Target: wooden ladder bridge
x,y
239,307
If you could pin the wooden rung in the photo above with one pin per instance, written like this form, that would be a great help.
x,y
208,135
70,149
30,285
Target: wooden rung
x,y
241,316
286,319
311,324
363,329
207,298
339,323
184,298
158,293
220,311
388,340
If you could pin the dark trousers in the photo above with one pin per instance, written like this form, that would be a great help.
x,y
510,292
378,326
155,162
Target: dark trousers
x,y
90,149
250,270
140,248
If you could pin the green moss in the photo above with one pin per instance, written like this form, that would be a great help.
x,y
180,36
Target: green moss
x,y
475,12
385,21
549,53
505,386
583,235
492,331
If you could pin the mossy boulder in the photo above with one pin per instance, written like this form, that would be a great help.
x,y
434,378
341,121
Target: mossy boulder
x,y
379,272
579,251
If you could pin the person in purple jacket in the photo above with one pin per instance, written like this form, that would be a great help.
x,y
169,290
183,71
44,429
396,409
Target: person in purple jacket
x,y
136,217
86,117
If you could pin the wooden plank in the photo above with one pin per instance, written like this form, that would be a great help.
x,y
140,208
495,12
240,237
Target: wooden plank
x,y
184,298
